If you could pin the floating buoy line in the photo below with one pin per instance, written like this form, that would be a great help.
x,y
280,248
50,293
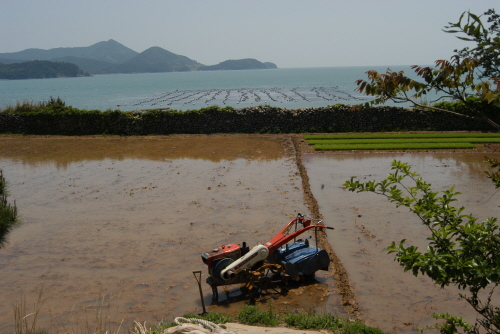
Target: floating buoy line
x,y
241,97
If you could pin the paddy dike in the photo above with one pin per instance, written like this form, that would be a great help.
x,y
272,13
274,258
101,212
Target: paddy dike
x,y
336,269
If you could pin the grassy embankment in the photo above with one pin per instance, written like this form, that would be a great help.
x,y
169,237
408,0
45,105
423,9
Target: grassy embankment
x,y
249,315
406,141
253,315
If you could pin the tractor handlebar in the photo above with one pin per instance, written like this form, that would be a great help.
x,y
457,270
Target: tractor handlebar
x,y
304,215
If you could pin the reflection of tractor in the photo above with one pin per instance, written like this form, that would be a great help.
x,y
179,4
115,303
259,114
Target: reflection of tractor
x,y
267,268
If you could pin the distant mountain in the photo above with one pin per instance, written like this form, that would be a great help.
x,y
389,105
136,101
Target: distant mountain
x,y
240,64
112,57
88,65
110,51
39,69
10,61
156,59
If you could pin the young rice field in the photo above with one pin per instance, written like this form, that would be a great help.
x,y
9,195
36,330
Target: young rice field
x,y
406,141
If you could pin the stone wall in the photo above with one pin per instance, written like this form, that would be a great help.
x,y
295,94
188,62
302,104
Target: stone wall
x,y
247,120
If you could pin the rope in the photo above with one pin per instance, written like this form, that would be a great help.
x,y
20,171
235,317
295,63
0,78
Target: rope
x,y
205,323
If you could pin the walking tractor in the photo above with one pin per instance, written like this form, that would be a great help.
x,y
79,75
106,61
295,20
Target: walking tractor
x,y
268,268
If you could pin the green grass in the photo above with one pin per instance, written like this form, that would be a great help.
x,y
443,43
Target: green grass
x,y
254,316
312,320
26,321
402,135
403,140
8,213
406,141
394,146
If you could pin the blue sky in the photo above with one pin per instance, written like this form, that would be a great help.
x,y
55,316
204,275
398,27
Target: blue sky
x,y
290,33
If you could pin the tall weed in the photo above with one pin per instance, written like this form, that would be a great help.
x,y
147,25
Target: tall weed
x,y
26,323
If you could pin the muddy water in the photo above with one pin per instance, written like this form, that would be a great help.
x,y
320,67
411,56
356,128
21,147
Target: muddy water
x,y
366,224
120,223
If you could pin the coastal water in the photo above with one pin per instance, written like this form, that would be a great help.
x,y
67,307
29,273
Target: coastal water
x,y
287,88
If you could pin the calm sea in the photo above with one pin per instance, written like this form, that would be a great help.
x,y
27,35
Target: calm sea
x,y
287,88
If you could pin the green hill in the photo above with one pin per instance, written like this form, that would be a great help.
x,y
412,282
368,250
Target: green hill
x,y
156,59
88,65
39,69
240,64
109,51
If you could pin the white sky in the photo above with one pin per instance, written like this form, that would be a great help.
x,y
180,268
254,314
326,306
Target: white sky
x,y
290,33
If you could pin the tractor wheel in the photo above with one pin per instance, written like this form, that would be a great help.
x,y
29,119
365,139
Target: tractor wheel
x,y
270,278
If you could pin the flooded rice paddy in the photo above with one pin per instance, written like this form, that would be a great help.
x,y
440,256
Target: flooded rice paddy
x,y
118,225
366,224
123,221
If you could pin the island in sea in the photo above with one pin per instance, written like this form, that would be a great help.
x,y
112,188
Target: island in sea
x,y
107,57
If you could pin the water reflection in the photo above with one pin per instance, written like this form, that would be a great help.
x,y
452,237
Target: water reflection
x,y
465,162
33,150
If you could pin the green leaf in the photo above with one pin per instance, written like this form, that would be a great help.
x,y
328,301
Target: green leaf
x,y
465,38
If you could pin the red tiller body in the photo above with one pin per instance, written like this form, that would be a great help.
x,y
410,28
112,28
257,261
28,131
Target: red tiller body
x,y
282,237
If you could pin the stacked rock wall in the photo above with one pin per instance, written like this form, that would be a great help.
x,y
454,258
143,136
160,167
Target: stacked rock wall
x,y
247,120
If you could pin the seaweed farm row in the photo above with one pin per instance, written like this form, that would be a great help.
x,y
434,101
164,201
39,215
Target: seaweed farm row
x,y
244,96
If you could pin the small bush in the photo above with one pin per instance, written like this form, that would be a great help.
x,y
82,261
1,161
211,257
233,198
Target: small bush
x,y
252,315
55,103
475,102
313,321
8,213
359,328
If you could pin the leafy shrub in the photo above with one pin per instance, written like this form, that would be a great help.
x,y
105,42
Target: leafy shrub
x,y
8,213
490,110
461,251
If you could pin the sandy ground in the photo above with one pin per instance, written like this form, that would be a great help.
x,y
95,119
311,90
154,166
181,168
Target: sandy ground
x,y
236,328
241,329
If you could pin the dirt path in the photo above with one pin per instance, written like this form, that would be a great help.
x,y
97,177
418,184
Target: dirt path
x,y
337,270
